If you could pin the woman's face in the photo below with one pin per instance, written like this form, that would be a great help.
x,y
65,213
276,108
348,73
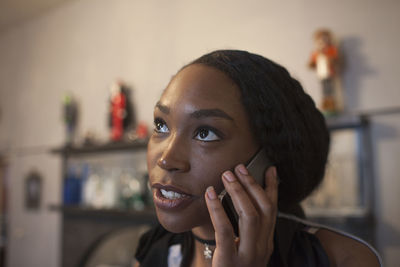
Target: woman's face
x,y
201,130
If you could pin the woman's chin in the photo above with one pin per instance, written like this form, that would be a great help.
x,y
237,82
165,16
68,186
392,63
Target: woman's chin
x,y
172,225
175,228
177,223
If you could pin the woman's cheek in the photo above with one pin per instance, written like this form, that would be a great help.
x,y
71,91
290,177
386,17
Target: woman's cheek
x,y
210,174
151,156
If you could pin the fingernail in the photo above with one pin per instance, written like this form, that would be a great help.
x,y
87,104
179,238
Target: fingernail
x,y
274,172
228,175
242,169
211,193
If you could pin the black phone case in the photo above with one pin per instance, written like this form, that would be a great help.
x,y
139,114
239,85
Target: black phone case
x,y
256,167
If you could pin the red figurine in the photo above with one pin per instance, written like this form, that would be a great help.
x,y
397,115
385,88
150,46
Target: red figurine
x,y
325,60
117,111
142,131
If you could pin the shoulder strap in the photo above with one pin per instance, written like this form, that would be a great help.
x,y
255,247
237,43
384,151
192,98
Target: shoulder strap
x,y
314,227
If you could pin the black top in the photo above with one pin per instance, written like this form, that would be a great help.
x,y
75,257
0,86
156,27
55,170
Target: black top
x,y
293,246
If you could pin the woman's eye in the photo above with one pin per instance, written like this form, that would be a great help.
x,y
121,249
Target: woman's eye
x,y
160,126
207,135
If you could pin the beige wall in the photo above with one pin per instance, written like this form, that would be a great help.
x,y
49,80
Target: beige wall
x,y
82,46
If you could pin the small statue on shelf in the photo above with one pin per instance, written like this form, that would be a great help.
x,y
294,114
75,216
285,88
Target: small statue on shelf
x,y
324,60
90,139
70,109
141,132
120,110
33,190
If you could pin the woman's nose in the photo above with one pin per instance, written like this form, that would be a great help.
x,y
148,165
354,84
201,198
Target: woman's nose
x,y
174,157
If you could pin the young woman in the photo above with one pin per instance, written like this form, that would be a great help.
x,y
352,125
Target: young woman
x,y
214,116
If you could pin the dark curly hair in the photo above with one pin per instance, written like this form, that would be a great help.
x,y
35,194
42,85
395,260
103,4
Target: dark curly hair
x,y
283,117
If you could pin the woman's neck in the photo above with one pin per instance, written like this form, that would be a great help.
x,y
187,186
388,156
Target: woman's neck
x,y
206,233
198,256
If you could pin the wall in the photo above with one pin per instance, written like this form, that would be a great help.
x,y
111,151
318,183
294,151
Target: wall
x,y
84,45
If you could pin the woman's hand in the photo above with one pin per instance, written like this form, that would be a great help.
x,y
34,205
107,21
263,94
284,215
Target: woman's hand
x,y
257,209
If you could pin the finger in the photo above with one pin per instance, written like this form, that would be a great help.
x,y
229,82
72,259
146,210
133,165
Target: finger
x,y
271,184
249,217
271,190
224,235
250,184
264,199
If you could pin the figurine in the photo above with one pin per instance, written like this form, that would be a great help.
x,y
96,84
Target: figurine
x,y
121,113
117,111
70,117
90,138
141,132
33,190
325,62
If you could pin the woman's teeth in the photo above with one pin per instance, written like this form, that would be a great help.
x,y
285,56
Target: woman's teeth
x,y
171,194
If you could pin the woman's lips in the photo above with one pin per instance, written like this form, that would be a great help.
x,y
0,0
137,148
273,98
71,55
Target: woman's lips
x,y
168,197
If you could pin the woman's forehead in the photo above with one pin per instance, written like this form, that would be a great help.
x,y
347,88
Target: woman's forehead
x,y
202,86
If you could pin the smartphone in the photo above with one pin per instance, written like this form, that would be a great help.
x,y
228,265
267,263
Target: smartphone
x,y
257,166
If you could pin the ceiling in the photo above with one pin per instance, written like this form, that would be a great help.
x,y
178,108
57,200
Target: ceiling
x,y
13,12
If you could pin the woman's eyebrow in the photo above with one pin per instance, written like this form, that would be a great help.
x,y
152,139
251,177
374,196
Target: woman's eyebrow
x,y
162,108
210,113
201,113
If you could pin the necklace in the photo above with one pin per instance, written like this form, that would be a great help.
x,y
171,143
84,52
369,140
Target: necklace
x,y
208,252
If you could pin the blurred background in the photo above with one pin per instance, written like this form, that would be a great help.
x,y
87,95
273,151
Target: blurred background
x,y
68,182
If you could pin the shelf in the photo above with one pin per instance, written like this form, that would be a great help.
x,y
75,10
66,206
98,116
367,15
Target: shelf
x,y
333,123
147,215
343,212
107,147
346,122
357,119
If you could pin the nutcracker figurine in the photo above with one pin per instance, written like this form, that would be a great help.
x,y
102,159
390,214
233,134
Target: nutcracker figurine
x,y
117,111
121,115
324,60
